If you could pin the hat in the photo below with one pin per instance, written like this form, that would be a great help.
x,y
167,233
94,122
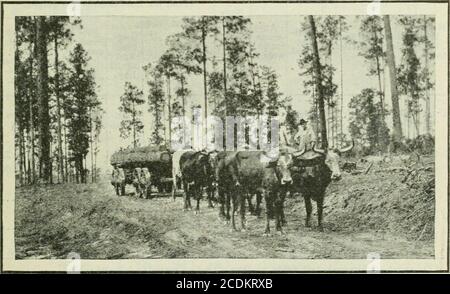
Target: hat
x,y
302,122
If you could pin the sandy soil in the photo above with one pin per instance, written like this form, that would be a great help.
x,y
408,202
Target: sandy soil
x,y
363,214
205,235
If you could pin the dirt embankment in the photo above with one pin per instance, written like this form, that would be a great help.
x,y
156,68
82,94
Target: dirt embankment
x,y
388,199
389,210
52,221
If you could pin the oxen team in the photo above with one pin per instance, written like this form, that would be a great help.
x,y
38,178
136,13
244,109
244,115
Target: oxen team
x,y
239,176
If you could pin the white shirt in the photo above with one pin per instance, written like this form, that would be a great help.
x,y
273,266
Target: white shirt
x,y
305,138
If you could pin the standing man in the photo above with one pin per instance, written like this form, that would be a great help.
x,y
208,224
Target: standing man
x,y
286,136
305,137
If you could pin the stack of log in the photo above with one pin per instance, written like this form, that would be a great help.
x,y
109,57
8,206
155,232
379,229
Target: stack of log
x,y
141,155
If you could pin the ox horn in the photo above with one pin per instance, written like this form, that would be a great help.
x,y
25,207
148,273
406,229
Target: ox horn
x,y
348,148
321,151
299,153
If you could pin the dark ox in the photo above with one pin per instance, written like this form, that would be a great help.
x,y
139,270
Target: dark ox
x,y
312,171
196,173
242,173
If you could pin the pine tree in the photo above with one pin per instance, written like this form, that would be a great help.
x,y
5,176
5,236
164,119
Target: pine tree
x,y
43,102
155,101
60,35
426,74
197,30
408,74
130,103
318,82
390,59
81,100
371,48
367,126
184,54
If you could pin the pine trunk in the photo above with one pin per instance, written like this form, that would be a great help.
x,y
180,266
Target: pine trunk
x,y
342,83
66,156
224,44
205,128
42,90
32,177
427,92
224,40
390,58
134,125
318,83
58,112
169,115
91,141
19,145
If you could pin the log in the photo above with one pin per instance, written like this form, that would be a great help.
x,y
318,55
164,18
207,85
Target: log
x,y
368,168
142,155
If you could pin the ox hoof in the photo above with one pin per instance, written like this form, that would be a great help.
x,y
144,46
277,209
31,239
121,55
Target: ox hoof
x,y
197,212
267,235
243,230
281,233
320,229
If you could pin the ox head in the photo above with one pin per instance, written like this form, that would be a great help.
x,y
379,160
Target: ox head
x,y
281,161
283,164
208,161
332,159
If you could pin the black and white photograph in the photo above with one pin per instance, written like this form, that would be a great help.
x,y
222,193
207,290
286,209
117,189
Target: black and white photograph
x,y
232,136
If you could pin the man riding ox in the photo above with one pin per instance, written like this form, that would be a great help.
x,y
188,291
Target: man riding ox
x,y
242,173
312,171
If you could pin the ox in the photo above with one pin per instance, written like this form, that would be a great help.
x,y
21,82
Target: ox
x,y
242,173
312,171
196,172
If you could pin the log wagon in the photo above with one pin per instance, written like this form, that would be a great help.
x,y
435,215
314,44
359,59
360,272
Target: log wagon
x,y
144,168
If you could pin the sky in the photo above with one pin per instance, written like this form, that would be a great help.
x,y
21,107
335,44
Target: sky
x,y
120,46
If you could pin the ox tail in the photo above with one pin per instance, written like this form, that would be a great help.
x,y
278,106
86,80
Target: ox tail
x,y
174,183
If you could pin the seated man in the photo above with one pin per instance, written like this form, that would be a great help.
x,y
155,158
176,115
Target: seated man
x,y
305,137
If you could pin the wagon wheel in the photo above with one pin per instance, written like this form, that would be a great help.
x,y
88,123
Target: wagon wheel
x,y
148,192
168,187
160,187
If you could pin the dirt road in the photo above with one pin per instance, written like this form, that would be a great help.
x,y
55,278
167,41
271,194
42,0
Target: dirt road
x,y
379,212
205,235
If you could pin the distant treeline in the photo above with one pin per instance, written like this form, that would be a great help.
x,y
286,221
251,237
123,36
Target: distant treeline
x,y
58,114
221,51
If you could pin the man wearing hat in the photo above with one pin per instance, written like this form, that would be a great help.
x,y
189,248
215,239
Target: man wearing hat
x,y
305,137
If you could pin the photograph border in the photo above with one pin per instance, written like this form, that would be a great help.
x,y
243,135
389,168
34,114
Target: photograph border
x,y
18,265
